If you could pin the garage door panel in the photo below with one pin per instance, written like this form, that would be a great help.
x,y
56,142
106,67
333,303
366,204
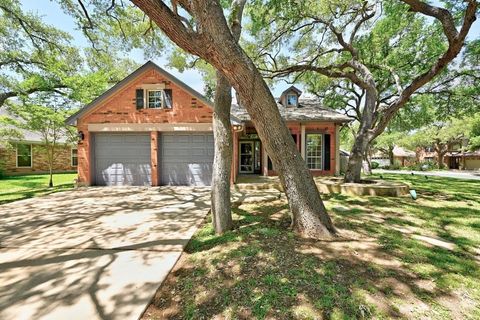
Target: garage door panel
x,y
186,159
122,159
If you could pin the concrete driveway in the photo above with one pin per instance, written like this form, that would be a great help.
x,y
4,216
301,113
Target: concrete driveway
x,y
96,253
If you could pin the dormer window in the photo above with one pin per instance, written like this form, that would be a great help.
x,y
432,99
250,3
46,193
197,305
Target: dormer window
x,y
289,97
292,100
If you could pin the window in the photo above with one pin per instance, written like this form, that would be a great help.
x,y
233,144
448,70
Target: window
x,y
159,99
24,155
155,99
292,100
74,157
313,150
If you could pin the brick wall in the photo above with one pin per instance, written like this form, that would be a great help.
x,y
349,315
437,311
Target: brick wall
x,y
121,108
62,161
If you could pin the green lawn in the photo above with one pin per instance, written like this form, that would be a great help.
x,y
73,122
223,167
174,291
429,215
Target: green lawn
x,y
14,188
395,258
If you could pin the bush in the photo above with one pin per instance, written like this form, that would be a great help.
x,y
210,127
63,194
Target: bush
x,y
375,165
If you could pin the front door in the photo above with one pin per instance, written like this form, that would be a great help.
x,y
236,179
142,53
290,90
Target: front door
x,y
246,158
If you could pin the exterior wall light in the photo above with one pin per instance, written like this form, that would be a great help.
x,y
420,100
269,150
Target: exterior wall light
x,y
237,127
81,136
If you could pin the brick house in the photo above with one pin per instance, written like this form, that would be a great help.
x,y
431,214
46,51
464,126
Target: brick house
x,y
153,129
27,156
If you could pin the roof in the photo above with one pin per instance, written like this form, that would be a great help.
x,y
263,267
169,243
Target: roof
x,y
397,152
465,154
309,109
401,152
28,136
120,85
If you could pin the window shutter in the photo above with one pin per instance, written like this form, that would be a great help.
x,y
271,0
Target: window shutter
x,y
168,98
326,148
139,99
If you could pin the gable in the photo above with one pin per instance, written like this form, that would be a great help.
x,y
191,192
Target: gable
x,y
118,104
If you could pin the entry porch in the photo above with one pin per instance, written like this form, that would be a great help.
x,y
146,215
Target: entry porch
x,y
317,143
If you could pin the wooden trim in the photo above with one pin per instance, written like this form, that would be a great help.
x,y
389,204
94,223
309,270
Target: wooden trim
x,y
141,127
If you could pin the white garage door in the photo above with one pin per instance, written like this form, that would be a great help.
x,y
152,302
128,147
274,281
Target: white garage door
x,y
122,159
186,159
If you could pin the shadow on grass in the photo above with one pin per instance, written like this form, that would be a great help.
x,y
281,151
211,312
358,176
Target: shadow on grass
x,y
26,194
262,270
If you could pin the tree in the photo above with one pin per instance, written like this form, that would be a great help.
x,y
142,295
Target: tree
x,y
201,29
222,133
379,58
36,57
46,116
441,136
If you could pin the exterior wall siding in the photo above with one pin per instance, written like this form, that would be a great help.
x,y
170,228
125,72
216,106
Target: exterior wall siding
x,y
62,163
121,108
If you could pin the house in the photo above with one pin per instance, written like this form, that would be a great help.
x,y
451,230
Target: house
x,y
28,156
153,129
468,160
400,155
453,156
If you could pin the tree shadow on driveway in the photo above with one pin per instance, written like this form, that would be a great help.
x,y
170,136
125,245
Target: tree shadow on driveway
x,y
95,252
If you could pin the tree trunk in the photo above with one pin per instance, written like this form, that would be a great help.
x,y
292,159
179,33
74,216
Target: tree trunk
x,y
367,165
50,182
363,138
222,161
440,156
391,156
217,46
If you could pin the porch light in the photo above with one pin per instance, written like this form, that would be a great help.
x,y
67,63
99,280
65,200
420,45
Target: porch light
x,y
237,127
81,136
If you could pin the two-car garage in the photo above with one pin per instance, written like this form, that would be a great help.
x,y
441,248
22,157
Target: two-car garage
x,y
124,159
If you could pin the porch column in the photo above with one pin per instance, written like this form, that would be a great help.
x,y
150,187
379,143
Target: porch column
x,y
302,142
154,157
234,174
264,161
337,149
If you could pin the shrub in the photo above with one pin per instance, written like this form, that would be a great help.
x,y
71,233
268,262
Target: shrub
x,y
375,165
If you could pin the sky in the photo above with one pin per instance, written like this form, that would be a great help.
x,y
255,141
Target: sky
x,y
52,14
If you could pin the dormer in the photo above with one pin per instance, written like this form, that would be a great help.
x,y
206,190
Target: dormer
x,y
290,97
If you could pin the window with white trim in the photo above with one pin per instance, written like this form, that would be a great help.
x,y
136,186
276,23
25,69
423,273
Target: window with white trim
x,y
24,155
74,157
313,150
155,99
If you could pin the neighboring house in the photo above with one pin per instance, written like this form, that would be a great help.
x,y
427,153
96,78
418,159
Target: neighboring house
x,y
153,129
28,155
452,156
400,155
468,160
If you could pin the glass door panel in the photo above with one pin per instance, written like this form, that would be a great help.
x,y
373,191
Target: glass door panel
x,y
246,157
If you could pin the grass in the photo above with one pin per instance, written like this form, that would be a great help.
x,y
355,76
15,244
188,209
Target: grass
x,y
395,258
13,188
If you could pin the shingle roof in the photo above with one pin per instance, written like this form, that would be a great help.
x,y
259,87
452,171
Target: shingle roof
x,y
309,109
28,136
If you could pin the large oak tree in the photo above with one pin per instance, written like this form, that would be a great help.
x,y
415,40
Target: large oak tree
x,y
377,54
